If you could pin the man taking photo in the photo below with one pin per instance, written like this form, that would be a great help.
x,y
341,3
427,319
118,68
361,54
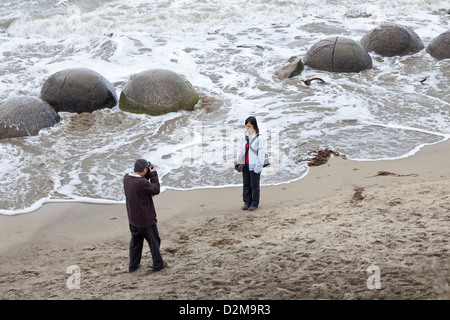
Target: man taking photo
x,y
140,187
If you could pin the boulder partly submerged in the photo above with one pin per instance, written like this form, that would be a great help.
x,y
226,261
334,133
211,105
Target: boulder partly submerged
x,y
25,116
392,40
78,90
338,54
293,68
439,47
157,91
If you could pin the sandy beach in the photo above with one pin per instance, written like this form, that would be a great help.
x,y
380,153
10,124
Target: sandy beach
x,y
349,230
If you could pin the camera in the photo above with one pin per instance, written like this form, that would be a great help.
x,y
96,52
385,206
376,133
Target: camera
x,y
150,166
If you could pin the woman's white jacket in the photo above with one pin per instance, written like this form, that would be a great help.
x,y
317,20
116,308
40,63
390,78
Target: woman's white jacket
x,y
256,160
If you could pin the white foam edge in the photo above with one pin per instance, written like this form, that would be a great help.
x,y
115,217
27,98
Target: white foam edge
x,y
38,204
412,152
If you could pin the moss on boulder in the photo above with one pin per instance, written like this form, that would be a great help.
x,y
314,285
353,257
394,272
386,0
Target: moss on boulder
x,y
293,68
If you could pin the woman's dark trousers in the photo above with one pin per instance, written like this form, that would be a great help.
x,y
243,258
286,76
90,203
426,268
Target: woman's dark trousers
x,y
137,241
251,187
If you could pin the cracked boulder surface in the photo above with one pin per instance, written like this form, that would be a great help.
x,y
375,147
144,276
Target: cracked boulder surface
x,y
338,54
392,40
158,91
78,90
25,116
439,47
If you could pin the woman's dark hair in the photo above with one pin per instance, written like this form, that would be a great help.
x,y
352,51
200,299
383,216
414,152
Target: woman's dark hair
x,y
252,120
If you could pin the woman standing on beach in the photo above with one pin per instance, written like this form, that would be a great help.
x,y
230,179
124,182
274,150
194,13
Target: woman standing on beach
x,y
250,155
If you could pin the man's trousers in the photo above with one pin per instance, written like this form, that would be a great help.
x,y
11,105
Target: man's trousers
x,y
151,235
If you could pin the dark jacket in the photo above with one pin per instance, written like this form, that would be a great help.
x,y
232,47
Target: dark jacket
x,y
139,202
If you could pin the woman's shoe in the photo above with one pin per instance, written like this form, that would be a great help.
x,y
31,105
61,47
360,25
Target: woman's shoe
x,y
245,207
252,208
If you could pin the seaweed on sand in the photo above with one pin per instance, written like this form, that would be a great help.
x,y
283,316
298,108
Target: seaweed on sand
x,y
387,173
358,194
321,156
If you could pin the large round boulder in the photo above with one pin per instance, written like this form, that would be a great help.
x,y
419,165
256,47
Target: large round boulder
x,y
439,47
338,54
78,90
25,116
157,91
392,40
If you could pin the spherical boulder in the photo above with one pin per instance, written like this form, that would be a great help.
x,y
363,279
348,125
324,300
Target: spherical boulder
x,y
25,116
392,40
78,90
157,91
338,54
439,47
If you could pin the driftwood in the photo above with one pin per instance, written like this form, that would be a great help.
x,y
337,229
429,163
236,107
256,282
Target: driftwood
x,y
252,46
308,81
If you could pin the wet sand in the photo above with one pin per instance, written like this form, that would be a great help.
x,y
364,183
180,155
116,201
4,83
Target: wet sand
x,y
343,232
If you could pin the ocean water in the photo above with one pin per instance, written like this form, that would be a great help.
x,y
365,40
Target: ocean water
x,y
230,52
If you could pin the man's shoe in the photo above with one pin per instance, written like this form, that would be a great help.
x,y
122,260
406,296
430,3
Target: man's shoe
x,y
245,207
133,270
165,265
252,208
